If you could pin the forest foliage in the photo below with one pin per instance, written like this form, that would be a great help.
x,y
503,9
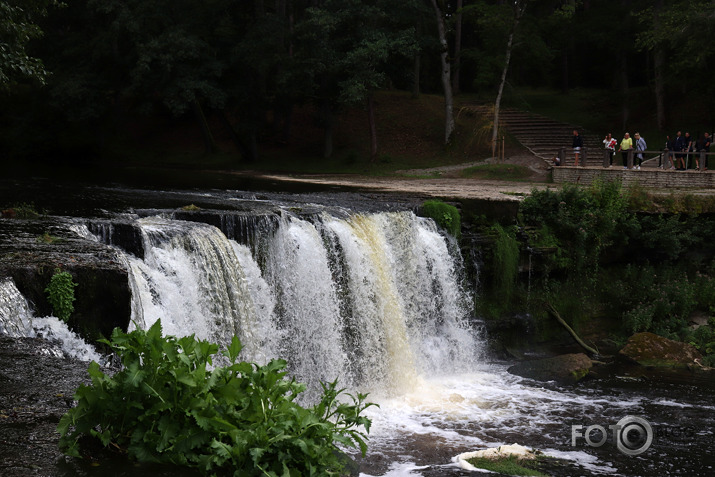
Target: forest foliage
x,y
87,66
596,255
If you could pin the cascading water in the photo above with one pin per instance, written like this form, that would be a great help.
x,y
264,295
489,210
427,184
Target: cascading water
x,y
371,300
15,313
377,301
18,321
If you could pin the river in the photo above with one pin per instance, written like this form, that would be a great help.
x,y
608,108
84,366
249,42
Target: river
x,y
343,285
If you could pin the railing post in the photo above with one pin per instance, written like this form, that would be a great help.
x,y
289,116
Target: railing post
x,y
606,157
562,156
703,160
630,158
584,149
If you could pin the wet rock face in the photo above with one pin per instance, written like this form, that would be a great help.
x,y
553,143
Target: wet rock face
x,y
564,369
31,251
649,349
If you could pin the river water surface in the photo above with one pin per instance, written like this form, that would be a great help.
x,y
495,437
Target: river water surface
x,y
343,286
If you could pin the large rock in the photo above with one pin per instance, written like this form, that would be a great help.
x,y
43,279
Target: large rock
x,y
649,349
102,296
565,368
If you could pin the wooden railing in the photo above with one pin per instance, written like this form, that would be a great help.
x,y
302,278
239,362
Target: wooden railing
x,y
662,156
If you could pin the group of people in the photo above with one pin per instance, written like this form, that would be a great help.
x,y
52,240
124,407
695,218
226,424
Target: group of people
x,y
626,144
681,145
677,149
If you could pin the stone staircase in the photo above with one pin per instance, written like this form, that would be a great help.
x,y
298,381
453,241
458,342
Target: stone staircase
x,y
544,137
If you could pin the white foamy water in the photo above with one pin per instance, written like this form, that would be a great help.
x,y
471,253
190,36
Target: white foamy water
x,y
55,330
484,408
17,321
15,313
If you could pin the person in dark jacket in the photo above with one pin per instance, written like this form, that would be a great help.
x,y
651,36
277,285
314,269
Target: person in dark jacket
x,y
669,152
703,145
678,147
577,145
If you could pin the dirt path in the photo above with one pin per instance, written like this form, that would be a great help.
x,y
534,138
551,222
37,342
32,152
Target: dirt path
x,y
446,184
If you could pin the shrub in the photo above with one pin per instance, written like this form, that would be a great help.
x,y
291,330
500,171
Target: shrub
x,y
505,256
165,406
60,294
447,216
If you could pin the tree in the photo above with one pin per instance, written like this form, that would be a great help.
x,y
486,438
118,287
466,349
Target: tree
x,y
518,9
347,45
449,124
18,27
670,29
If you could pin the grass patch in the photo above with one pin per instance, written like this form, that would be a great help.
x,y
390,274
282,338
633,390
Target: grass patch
x,y
504,172
48,238
511,465
22,211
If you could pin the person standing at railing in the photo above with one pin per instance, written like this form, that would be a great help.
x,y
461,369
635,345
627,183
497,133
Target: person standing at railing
x,y
610,144
640,146
678,147
688,148
669,154
577,145
626,145
703,145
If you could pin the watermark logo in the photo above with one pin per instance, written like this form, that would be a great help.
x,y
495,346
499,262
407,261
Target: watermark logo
x,y
633,435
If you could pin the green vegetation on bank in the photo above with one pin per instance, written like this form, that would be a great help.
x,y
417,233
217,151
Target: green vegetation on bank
x,y
167,406
596,256
510,465
447,216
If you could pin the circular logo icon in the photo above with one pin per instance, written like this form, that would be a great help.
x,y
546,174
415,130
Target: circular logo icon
x,y
634,435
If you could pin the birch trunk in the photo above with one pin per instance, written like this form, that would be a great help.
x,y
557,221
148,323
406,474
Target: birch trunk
x,y
446,75
519,8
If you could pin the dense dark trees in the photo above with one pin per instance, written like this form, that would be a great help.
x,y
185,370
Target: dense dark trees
x,y
248,65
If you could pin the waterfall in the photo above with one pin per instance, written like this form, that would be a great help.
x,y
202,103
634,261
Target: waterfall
x,y
374,300
17,321
192,279
15,313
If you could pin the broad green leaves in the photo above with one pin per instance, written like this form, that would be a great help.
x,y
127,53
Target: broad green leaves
x,y
166,406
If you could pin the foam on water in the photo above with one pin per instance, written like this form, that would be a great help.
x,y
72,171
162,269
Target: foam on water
x,y
17,321
487,408
55,330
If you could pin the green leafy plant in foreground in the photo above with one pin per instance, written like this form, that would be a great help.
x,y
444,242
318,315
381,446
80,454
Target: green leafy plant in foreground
x,y
60,294
165,406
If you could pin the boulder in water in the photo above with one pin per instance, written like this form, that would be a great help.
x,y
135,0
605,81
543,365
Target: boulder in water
x,y
565,368
649,349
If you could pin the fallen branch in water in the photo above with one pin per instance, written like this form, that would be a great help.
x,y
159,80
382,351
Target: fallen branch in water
x,y
570,330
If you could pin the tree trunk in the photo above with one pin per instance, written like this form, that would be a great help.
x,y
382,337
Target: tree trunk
x,y
328,129
519,8
659,72
446,75
373,127
564,71
209,144
624,90
457,48
416,77
242,147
